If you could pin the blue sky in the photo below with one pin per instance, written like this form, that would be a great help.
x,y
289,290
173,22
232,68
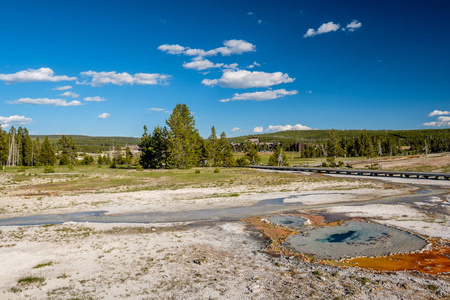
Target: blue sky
x,y
110,67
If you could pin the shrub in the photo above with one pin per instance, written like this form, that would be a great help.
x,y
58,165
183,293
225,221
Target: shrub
x,y
242,161
139,168
325,164
216,170
197,171
49,169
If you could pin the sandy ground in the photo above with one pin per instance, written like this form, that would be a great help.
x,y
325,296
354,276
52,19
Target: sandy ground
x,y
222,260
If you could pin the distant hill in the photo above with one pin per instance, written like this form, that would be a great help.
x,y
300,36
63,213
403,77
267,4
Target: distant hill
x,y
319,136
92,143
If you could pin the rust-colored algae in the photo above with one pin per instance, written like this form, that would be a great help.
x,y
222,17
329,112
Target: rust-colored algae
x,y
434,261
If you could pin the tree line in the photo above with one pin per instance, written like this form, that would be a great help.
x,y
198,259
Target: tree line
x,y
179,145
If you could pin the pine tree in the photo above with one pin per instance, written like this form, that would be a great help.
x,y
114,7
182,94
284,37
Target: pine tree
x,y
250,152
225,155
47,154
278,158
3,147
183,139
334,148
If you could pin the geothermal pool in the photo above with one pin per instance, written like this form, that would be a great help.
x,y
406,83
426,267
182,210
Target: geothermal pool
x,y
352,239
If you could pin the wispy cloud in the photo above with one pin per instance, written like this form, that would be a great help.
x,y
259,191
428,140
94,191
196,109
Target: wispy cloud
x,y
44,101
31,75
70,94
234,129
94,99
14,120
103,78
245,79
254,64
230,47
352,26
324,28
261,96
103,116
155,109
441,121
438,113
62,88
258,129
287,127
200,63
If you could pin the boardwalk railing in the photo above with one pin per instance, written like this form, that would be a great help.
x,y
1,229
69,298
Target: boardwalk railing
x,y
419,175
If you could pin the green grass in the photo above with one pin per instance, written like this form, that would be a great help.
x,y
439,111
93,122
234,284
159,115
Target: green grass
x,y
30,280
43,265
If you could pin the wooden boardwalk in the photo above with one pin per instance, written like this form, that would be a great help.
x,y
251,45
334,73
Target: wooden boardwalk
x,y
418,175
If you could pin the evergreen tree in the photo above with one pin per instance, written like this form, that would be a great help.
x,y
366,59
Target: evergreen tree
x,y
183,139
47,154
154,148
214,155
250,152
3,147
278,158
334,148
224,153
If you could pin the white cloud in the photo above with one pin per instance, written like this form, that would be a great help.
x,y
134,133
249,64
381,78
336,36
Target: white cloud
x,y
259,21
287,127
230,47
200,63
156,109
353,26
62,88
94,99
195,52
245,79
324,28
103,116
261,96
172,49
70,94
258,129
31,75
254,64
234,129
102,78
14,120
250,13
308,92
45,101
438,113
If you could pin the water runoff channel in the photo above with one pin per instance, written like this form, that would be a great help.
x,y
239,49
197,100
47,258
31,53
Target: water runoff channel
x,y
353,238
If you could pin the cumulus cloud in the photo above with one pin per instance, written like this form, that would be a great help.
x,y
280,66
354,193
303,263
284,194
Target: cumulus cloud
x,y
70,94
287,127
62,88
261,96
45,101
438,113
94,99
102,78
200,63
234,129
353,26
156,109
258,129
245,79
172,49
31,75
103,116
14,120
230,47
324,28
